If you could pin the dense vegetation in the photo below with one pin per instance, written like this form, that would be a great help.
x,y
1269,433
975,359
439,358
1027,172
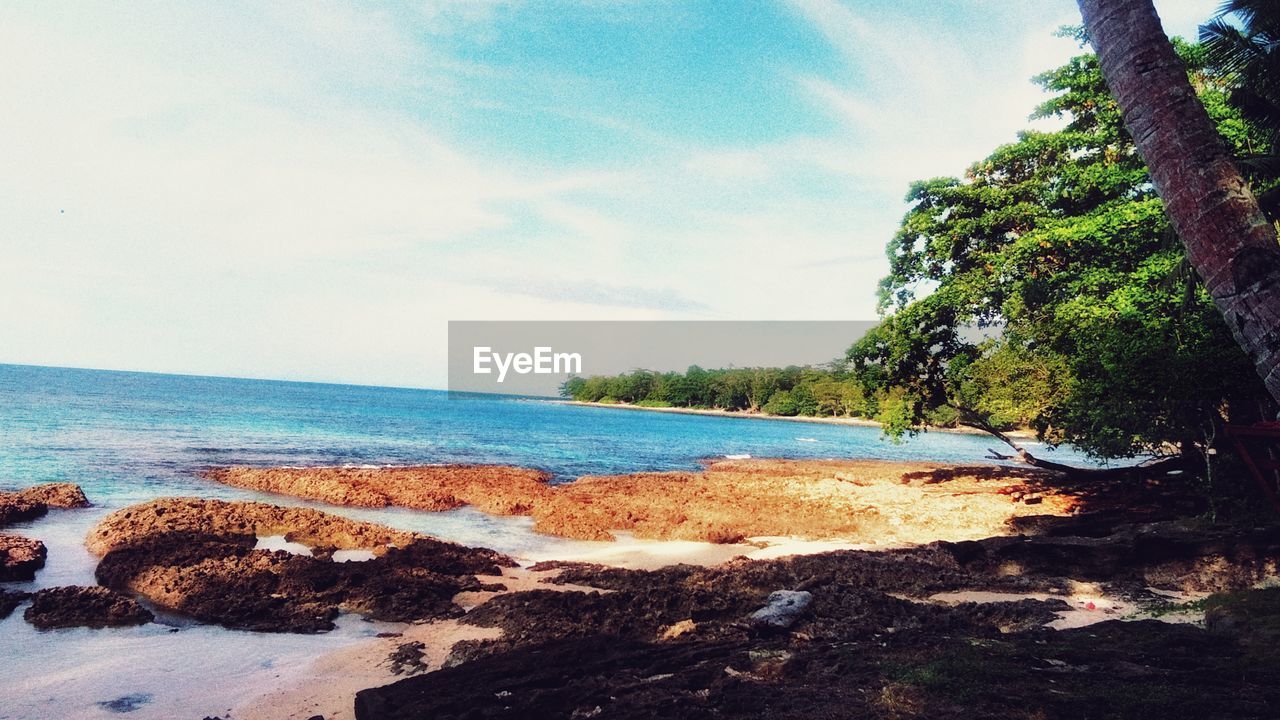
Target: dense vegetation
x,y
1044,289
1106,339
830,392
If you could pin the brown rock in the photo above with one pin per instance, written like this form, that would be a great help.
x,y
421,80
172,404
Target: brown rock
x,y
196,557
16,508
496,489
57,495
728,501
20,557
33,502
240,520
94,607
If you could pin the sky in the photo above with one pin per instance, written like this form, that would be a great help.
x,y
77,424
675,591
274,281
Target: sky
x,y
311,191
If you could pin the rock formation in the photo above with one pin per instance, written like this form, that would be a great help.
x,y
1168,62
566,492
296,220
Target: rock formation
x,y
197,558
20,557
93,607
862,500
33,502
10,599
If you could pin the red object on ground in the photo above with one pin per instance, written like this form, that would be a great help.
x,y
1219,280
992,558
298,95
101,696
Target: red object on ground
x,y
1258,446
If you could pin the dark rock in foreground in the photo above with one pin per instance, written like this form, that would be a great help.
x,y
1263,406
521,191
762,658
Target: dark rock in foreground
x,y
20,557
10,599
686,642
225,581
1114,670
93,607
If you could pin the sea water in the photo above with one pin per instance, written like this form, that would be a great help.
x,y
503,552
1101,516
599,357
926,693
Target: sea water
x,y
130,437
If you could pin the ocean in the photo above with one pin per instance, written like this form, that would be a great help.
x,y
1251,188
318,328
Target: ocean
x,y
130,437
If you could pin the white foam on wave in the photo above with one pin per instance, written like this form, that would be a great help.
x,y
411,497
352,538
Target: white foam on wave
x,y
744,456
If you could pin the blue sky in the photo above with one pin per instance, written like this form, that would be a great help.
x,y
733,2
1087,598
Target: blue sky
x,y
311,190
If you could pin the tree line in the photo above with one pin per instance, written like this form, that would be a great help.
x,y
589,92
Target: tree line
x,y
829,391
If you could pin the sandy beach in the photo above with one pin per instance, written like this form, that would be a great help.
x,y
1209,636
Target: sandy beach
x,y
850,421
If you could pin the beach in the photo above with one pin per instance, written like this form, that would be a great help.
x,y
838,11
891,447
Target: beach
x,y
825,420
259,551
943,547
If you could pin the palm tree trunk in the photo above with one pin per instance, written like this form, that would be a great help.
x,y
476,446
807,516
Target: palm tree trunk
x,y
1229,241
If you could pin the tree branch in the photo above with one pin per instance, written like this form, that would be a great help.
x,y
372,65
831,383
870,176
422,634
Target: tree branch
x,y
974,419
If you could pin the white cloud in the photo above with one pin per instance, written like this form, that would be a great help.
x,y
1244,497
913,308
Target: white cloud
x,y
267,190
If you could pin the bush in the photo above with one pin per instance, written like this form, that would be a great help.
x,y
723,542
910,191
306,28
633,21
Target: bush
x,y
782,403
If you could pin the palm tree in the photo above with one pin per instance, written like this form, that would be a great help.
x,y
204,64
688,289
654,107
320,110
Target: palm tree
x,y
1229,241
1247,53
1242,44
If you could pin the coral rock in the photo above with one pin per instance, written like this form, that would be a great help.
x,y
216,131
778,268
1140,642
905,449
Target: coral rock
x,y
94,607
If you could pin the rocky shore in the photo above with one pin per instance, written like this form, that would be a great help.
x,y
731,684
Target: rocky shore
x,y
981,593
21,557
862,501
874,634
198,558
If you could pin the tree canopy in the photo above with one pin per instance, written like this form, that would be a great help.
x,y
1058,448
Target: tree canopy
x,y
789,391
1047,285
1242,48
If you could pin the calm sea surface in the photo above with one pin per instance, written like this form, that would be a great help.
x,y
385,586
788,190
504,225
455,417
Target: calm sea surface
x,y
137,435
130,437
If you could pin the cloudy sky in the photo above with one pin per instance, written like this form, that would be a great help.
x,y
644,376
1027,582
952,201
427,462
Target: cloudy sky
x,y
311,190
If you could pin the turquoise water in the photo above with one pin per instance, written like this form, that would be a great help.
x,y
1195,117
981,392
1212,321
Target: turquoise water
x,y
130,437
133,435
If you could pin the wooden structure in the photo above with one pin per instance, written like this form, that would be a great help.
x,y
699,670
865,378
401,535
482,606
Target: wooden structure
x,y
1259,448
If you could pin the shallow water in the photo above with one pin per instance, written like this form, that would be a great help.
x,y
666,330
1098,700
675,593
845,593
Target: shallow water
x,y
131,437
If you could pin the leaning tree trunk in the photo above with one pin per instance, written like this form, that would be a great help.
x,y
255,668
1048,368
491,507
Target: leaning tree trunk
x,y
1229,241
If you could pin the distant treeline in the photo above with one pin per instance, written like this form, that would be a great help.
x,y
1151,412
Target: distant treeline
x,y
789,391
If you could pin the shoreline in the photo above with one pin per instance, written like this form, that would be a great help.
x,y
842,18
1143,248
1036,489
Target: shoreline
x,y
666,601
847,421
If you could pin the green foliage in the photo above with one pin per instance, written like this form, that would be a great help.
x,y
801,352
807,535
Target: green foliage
x,y
1240,47
777,391
782,403
653,403
1046,289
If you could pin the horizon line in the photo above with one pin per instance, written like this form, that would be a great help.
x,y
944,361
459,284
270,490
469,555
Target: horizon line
x,y
237,377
